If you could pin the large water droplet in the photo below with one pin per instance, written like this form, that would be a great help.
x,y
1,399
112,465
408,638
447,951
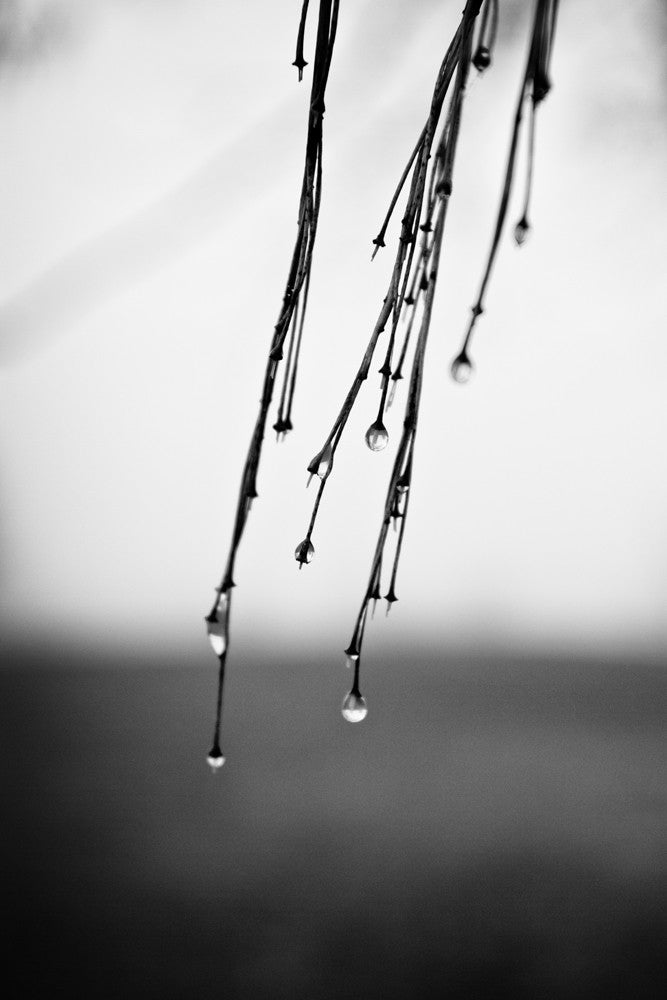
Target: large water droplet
x,y
215,759
304,551
521,231
461,368
354,707
377,437
217,636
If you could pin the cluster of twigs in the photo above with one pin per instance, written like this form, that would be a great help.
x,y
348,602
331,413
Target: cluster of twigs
x,y
412,287
428,176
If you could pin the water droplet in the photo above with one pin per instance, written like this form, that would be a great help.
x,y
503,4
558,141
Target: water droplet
x,y
354,707
217,636
521,231
321,464
304,551
351,660
461,368
481,59
377,437
402,484
215,759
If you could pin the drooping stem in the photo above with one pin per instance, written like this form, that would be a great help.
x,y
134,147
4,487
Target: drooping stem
x,y
297,280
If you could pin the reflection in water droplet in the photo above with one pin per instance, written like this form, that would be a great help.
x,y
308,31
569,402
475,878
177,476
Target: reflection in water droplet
x,y
215,759
217,636
461,368
377,437
304,551
521,231
354,707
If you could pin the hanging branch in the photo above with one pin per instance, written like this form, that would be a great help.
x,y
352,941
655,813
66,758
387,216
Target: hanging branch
x,y
428,176
217,620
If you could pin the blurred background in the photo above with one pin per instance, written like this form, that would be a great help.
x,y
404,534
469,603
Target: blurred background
x,y
497,825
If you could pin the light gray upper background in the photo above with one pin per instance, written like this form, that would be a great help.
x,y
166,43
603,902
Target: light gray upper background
x,y
152,157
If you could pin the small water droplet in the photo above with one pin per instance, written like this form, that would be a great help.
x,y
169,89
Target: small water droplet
x,y
215,759
351,660
402,484
325,462
217,636
481,59
321,464
304,551
521,231
354,707
461,368
377,437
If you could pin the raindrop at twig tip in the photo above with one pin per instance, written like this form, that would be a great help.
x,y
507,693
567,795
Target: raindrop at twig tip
x,y
217,635
377,437
321,464
325,462
354,707
481,59
304,551
521,231
215,759
461,368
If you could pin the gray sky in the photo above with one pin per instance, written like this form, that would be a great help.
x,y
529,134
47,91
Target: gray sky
x,y
148,194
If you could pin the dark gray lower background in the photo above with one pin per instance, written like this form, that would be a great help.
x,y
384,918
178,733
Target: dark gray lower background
x,y
496,828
